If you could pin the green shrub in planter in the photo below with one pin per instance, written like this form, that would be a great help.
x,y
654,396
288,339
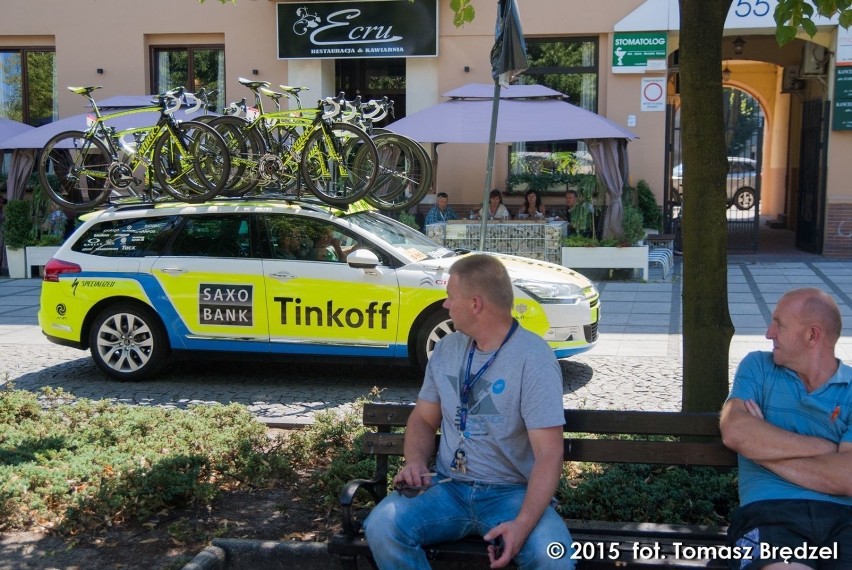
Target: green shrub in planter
x,y
17,224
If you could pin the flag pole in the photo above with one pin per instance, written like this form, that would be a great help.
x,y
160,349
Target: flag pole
x,y
489,164
508,58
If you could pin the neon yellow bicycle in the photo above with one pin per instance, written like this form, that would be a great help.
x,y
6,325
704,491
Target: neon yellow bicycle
x,y
81,170
289,147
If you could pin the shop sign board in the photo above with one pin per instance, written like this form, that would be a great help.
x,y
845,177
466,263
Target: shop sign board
x,y
340,30
841,118
636,52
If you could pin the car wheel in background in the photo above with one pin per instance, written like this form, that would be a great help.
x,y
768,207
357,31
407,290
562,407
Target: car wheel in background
x,y
434,328
128,342
744,198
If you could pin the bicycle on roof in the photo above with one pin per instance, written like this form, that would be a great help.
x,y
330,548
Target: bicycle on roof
x,y
290,147
81,170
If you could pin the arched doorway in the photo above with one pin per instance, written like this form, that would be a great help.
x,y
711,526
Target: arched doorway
x,y
744,124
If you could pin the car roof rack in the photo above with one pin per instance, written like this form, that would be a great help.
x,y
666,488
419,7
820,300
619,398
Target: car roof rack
x,y
314,204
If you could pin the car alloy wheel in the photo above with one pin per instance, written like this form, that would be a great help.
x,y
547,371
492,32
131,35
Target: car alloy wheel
x,y
127,342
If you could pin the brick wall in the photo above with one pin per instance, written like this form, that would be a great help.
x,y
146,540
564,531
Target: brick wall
x,y
838,231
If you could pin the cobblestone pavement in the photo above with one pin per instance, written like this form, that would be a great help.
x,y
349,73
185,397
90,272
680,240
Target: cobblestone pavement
x,y
284,393
636,364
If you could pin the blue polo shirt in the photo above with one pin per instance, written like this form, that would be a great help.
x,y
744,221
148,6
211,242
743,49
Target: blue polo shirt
x,y
784,401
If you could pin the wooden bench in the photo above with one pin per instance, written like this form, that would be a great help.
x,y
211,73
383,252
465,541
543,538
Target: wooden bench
x,y
604,544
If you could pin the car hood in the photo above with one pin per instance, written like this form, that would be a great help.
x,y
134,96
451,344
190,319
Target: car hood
x,y
520,268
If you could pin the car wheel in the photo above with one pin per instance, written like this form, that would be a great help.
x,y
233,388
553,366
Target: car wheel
x,y
434,328
128,342
744,198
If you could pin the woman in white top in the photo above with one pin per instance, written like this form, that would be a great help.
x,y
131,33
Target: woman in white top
x,y
496,209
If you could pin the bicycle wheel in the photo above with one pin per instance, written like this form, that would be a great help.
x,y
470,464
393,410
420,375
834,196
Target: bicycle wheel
x,y
245,147
74,171
339,164
405,173
195,167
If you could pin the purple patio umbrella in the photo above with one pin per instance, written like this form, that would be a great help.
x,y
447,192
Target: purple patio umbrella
x,y
527,113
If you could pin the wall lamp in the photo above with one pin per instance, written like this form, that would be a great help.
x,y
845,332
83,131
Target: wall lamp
x,y
99,71
739,44
726,74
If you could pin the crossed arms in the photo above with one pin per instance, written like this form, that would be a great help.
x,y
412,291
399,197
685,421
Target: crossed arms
x,y
807,461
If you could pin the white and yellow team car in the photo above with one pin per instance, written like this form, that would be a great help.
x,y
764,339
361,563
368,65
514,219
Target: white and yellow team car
x,y
134,284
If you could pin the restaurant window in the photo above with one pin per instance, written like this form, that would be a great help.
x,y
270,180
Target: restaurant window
x,y
192,67
28,85
570,66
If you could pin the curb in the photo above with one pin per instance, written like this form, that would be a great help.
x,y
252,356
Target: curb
x,y
242,554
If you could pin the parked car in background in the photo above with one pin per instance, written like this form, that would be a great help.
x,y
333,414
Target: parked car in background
x,y
741,181
137,283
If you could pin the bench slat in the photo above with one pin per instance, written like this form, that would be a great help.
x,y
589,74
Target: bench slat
x,y
584,421
642,423
601,450
653,452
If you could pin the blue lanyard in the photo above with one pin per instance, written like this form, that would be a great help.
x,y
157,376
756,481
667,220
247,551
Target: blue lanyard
x,y
468,382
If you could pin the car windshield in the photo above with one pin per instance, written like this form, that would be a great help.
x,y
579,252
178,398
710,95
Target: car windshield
x,y
407,241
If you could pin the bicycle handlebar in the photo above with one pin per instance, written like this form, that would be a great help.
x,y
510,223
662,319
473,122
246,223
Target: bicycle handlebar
x,y
236,108
333,103
199,101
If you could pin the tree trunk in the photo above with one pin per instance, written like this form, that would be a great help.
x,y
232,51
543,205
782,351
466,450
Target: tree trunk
x,y
707,327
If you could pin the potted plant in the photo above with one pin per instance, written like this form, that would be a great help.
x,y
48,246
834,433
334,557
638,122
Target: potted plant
x,y
17,235
625,251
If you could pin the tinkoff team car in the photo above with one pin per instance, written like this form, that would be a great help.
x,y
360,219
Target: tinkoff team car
x,y
135,283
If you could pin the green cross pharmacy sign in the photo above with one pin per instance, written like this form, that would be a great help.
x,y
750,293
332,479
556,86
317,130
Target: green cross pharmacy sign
x,y
637,52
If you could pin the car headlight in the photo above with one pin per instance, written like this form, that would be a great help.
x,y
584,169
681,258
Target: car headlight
x,y
549,292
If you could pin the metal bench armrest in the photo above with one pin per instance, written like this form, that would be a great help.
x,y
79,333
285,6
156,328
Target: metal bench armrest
x,y
376,489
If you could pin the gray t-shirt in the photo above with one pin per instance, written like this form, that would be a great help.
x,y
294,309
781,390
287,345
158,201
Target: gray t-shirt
x,y
520,390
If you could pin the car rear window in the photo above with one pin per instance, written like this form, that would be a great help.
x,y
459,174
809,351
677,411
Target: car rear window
x,y
126,238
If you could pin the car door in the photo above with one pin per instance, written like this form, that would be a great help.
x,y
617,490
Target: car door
x,y
213,280
319,304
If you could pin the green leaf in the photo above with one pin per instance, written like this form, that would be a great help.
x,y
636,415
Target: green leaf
x,y
785,34
845,19
809,27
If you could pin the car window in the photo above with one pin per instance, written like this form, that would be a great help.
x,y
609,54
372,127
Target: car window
x,y
126,238
408,242
213,236
309,239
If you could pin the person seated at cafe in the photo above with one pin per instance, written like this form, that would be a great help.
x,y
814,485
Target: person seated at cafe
x,y
441,212
496,209
576,213
532,208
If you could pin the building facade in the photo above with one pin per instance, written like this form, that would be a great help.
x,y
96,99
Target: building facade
x,y
790,107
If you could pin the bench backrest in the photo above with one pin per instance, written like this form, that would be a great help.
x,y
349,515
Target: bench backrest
x,y
698,438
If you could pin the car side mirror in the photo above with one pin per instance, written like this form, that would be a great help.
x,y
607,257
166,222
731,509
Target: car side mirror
x,y
362,259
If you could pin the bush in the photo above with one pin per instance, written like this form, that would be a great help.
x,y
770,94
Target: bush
x,y
651,213
645,493
17,224
74,464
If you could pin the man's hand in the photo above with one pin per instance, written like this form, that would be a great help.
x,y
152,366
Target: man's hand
x,y
506,539
413,475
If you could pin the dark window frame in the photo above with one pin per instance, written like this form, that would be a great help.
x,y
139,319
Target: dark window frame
x,y
189,48
25,101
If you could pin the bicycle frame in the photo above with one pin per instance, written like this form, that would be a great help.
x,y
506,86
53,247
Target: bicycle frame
x,y
142,154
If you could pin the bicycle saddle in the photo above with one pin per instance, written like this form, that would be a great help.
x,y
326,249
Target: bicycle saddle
x,y
293,90
84,90
253,85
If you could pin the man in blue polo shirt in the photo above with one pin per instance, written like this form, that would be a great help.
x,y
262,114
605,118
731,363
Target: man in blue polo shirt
x,y
788,416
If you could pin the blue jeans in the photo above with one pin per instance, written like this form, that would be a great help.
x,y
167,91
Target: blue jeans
x,y
397,526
